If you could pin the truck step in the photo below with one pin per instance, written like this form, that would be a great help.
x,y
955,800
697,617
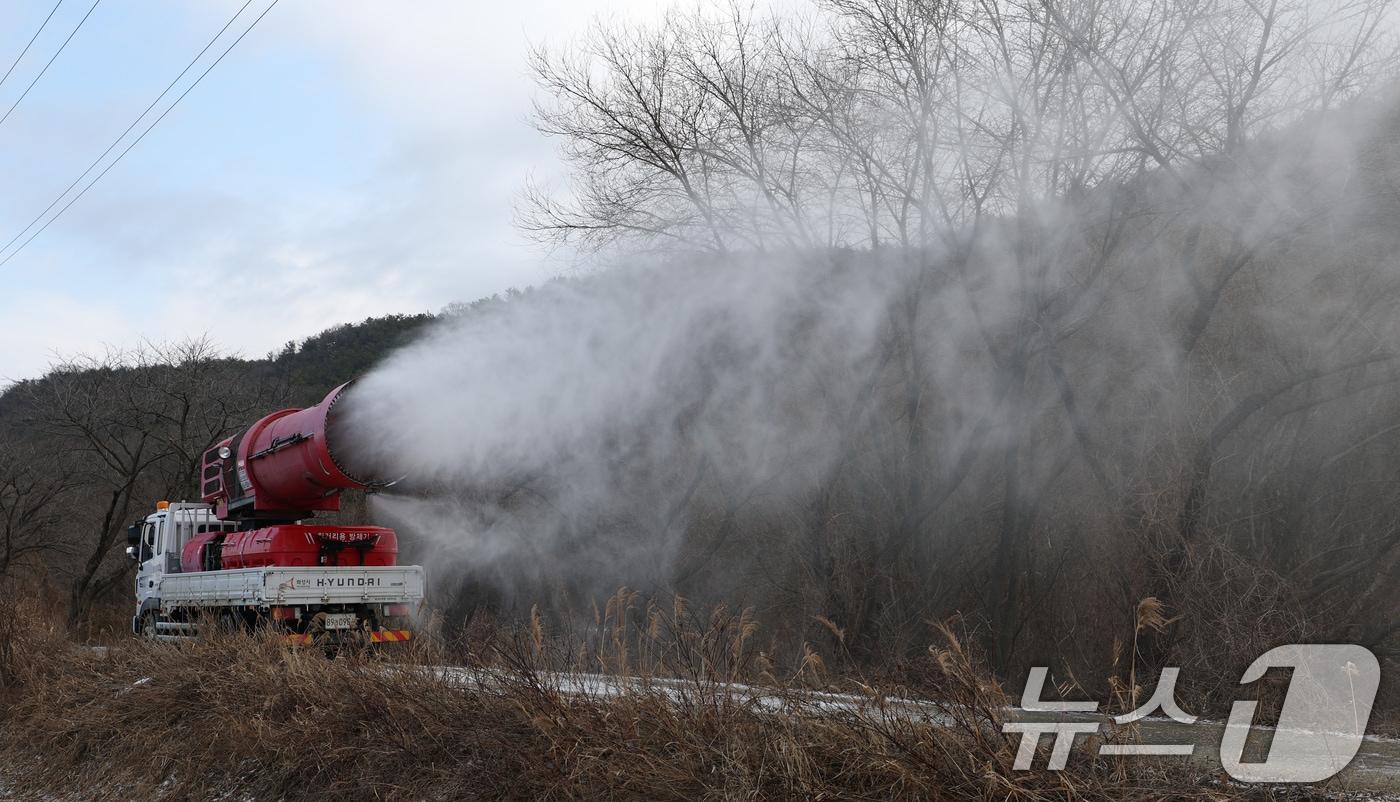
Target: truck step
x,y
175,630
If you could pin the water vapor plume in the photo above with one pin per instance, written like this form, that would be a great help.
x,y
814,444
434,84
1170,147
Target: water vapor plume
x,y
586,417
979,308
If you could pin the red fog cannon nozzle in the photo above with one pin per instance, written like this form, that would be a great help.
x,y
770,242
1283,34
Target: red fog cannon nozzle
x,y
286,466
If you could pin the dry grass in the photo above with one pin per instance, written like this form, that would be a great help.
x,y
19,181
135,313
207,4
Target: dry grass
x,y
241,717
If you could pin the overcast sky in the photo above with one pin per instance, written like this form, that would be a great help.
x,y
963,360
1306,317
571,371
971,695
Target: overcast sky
x,y
347,159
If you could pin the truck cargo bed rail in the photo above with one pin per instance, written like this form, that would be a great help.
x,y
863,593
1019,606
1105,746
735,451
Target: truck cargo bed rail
x,y
264,587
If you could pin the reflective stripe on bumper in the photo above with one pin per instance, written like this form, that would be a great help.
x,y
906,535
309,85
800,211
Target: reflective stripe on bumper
x,y
380,636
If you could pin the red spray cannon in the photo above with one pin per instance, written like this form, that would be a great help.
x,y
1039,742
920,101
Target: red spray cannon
x,y
286,466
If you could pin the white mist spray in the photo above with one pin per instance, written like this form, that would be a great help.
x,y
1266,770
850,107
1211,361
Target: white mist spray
x,y
571,429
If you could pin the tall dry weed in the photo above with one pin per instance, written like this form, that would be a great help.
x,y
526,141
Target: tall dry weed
x,y
702,713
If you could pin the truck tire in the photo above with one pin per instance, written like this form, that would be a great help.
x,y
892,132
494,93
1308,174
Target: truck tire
x,y
148,626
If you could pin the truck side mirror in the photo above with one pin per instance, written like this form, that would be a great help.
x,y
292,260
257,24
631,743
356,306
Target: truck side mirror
x,y
131,552
133,535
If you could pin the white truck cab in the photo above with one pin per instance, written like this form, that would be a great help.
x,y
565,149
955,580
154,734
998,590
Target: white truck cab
x,y
155,543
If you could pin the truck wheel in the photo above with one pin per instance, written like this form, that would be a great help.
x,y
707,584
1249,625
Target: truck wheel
x,y
148,626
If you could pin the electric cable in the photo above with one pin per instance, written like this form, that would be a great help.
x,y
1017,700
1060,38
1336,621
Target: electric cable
x,y
142,135
32,39
128,130
50,62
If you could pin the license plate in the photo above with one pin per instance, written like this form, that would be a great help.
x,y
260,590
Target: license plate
x,y
340,621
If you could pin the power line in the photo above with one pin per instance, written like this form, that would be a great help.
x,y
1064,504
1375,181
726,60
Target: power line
x,y
20,57
50,61
129,128
138,139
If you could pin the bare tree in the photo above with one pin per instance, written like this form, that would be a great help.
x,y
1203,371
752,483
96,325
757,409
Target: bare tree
x,y
34,502
134,426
